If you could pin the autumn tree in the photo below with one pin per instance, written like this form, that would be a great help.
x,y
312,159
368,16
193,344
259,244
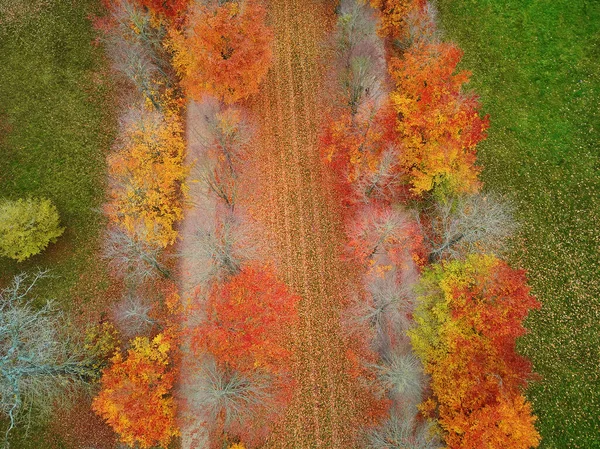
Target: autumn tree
x,y
40,362
394,14
353,145
135,397
147,173
439,125
27,226
468,318
225,51
248,321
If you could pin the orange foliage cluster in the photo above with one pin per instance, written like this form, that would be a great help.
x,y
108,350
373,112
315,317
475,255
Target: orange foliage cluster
x,y
226,50
249,319
438,125
149,174
135,397
469,316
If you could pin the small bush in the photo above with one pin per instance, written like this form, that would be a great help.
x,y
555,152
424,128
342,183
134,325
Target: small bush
x,y
27,226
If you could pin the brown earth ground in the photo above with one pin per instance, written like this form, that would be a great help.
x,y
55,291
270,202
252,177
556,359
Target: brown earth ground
x,y
292,196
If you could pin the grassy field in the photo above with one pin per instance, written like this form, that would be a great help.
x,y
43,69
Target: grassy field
x,y
535,66
55,128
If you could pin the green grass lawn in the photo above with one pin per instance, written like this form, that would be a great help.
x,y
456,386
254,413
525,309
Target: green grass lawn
x,y
535,64
55,129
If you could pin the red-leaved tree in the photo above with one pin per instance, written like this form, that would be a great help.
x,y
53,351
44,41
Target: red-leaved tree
x,y
469,316
249,319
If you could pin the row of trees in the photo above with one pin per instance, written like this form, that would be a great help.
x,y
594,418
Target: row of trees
x,y
245,315
43,361
239,319
383,239
147,41
146,202
441,311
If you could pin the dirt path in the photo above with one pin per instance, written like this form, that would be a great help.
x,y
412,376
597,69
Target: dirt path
x,y
293,199
199,214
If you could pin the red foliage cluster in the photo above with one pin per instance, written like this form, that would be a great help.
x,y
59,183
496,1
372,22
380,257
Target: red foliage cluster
x,y
248,321
353,145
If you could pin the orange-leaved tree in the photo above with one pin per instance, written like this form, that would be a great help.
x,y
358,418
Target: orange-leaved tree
x,y
225,50
439,125
148,173
393,15
249,320
135,397
468,317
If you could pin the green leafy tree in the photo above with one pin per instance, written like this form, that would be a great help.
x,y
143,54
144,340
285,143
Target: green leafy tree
x,y
27,226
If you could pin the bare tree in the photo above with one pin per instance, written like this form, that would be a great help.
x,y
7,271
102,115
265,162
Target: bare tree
x,y
385,310
220,137
230,396
381,183
401,375
360,55
135,44
133,315
39,362
219,248
377,232
479,223
402,432
132,257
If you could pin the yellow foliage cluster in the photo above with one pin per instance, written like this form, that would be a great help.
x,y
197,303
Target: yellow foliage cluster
x,y
393,16
150,175
101,340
